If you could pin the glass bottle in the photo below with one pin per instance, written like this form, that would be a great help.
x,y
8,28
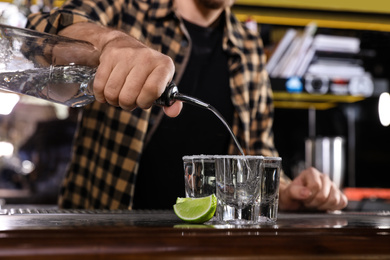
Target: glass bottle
x,y
51,67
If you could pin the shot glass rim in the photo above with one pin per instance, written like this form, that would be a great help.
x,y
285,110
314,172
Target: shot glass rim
x,y
205,156
272,158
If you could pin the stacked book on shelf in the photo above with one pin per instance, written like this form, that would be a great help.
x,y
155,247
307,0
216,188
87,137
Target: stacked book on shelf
x,y
322,63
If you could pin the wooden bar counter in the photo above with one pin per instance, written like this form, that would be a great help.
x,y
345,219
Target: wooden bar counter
x,y
61,234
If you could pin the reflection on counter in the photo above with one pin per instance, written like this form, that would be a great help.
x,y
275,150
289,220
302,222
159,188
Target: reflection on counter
x,y
161,235
55,218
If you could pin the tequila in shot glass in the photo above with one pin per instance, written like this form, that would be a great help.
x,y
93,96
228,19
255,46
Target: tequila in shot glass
x,y
238,185
269,198
199,175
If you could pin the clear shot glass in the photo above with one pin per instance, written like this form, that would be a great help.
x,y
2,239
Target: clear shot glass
x,y
238,187
269,196
199,175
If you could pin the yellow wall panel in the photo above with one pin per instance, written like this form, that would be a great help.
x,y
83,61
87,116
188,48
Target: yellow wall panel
x,y
371,6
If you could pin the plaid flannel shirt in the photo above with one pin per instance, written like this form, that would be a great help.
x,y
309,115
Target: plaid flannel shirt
x,y
109,141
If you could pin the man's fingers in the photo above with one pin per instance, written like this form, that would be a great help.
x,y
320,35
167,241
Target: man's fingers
x,y
173,110
298,192
335,201
321,192
99,83
156,82
313,190
132,75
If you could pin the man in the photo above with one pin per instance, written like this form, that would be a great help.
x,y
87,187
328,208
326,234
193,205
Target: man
x,y
121,141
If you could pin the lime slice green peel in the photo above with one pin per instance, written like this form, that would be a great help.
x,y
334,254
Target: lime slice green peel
x,y
195,210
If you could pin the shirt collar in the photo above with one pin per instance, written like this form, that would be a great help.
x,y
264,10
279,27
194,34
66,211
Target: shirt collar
x,y
161,9
234,30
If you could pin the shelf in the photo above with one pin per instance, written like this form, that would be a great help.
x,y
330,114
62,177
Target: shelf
x,y
284,99
302,17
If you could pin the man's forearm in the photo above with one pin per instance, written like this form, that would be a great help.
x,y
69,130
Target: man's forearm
x,y
96,34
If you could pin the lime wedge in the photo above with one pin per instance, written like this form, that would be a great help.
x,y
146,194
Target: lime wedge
x,y
196,210
180,200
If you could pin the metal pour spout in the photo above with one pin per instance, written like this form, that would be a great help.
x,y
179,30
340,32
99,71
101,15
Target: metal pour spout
x,y
171,94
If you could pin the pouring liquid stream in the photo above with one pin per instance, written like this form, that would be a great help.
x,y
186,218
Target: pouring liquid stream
x,y
199,103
